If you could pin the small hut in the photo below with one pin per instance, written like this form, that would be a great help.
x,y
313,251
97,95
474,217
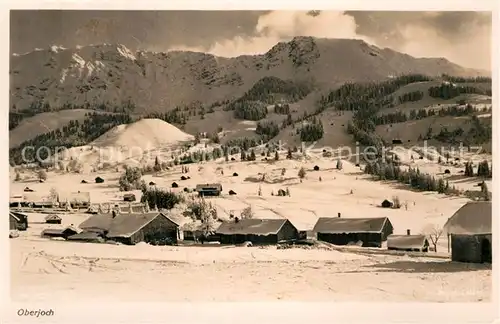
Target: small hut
x,y
386,204
417,243
53,219
209,189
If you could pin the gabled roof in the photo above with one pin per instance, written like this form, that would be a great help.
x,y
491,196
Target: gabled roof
x,y
339,225
407,241
252,226
123,225
19,216
472,218
52,217
11,214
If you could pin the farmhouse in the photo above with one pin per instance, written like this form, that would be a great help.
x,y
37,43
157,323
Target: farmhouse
x,y
257,231
209,189
342,231
18,221
417,243
470,234
132,228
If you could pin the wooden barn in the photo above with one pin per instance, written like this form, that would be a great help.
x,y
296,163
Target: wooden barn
x,y
18,221
470,234
343,231
60,232
257,231
53,219
132,228
416,243
209,189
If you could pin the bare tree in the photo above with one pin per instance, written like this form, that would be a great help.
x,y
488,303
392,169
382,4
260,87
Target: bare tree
x,y
247,213
433,232
302,173
54,196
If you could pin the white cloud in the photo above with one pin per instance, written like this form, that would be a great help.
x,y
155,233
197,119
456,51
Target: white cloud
x,y
279,26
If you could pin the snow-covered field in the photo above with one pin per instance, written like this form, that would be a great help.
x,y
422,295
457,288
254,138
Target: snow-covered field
x,y
59,270
43,268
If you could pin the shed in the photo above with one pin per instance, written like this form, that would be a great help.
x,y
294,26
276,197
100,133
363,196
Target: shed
x,y
418,243
342,231
18,221
470,234
132,228
53,219
257,231
209,189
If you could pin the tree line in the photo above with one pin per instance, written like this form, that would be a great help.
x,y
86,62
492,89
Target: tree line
x,y
448,91
355,96
253,104
75,133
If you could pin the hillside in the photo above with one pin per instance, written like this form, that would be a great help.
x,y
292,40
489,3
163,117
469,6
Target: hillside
x,y
111,77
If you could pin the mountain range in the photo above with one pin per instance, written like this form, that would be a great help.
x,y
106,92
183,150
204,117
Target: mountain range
x,y
106,76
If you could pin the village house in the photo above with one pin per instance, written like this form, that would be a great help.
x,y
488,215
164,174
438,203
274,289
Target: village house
x,y
408,242
470,234
257,231
209,189
18,221
371,232
132,228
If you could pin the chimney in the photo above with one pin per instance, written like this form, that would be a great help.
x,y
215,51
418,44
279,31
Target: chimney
x,y
338,215
407,232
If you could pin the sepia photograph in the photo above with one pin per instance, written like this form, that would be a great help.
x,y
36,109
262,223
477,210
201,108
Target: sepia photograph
x,y
235,156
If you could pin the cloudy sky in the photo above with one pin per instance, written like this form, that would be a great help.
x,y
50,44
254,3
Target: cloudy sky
x,y
461,37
